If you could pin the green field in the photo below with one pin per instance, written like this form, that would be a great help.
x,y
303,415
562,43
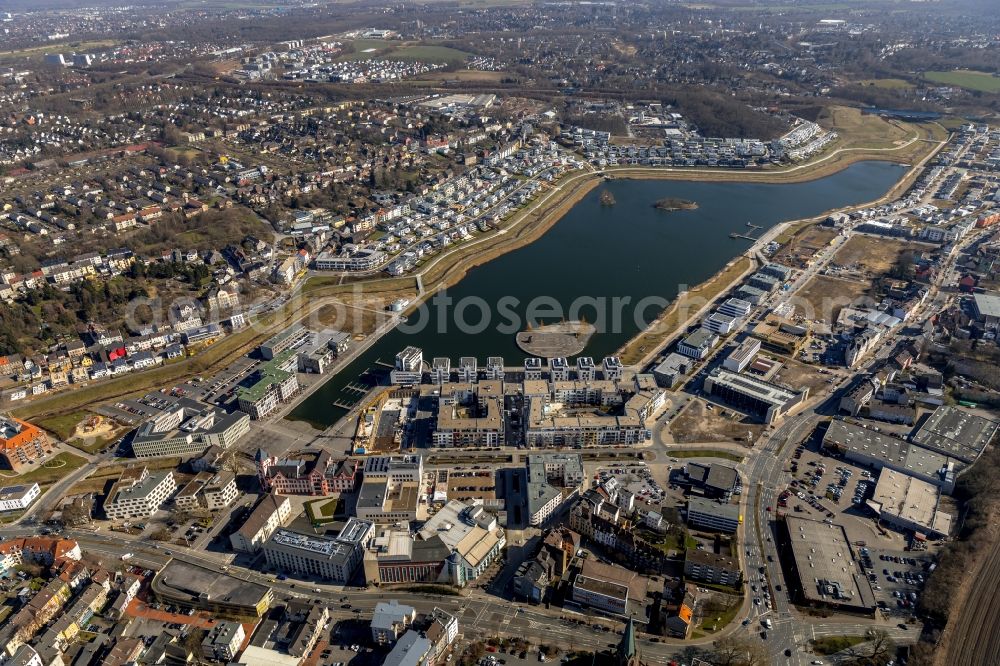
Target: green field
x,y
396,50
63,425
966,78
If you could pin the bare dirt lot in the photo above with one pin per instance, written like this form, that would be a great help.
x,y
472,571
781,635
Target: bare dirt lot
x,y
801,375
872,255
698,424
804,245
824,297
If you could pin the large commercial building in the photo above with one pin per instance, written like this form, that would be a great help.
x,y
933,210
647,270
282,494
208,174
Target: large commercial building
x,y
711,515
195,587
20,443
957,433
473,537
764,399
273,383
185,427
333,559
908,503
880,451
782,335
824,561
139,494
611,589
270,513
394,556
987,309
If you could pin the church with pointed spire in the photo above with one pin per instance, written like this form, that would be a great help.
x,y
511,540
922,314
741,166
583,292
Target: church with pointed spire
x,y
628,649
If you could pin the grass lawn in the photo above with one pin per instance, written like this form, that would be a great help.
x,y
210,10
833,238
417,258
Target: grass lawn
x,y
428,53
322,511
716,618
966,78
63,425
49,472
705,453
834,644
98,444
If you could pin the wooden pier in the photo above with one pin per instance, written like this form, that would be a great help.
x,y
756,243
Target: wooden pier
x,y
749,235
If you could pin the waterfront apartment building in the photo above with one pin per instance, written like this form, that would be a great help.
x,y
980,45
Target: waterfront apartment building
x,y
470,415
273,383
21,443
548,427
138,494
270,513
408,367
334,559
697,345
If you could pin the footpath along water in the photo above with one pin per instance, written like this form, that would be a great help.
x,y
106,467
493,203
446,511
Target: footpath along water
x,y
629,250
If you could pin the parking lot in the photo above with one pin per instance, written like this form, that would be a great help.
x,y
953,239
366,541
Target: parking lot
x,y
897,577
638,479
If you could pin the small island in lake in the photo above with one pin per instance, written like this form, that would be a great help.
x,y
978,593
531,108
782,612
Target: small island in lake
x,y
607,199
673,203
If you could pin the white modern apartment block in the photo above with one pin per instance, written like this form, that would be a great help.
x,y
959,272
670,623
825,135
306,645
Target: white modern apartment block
x,y
735,307
18,498
208,491
409,366
139,494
